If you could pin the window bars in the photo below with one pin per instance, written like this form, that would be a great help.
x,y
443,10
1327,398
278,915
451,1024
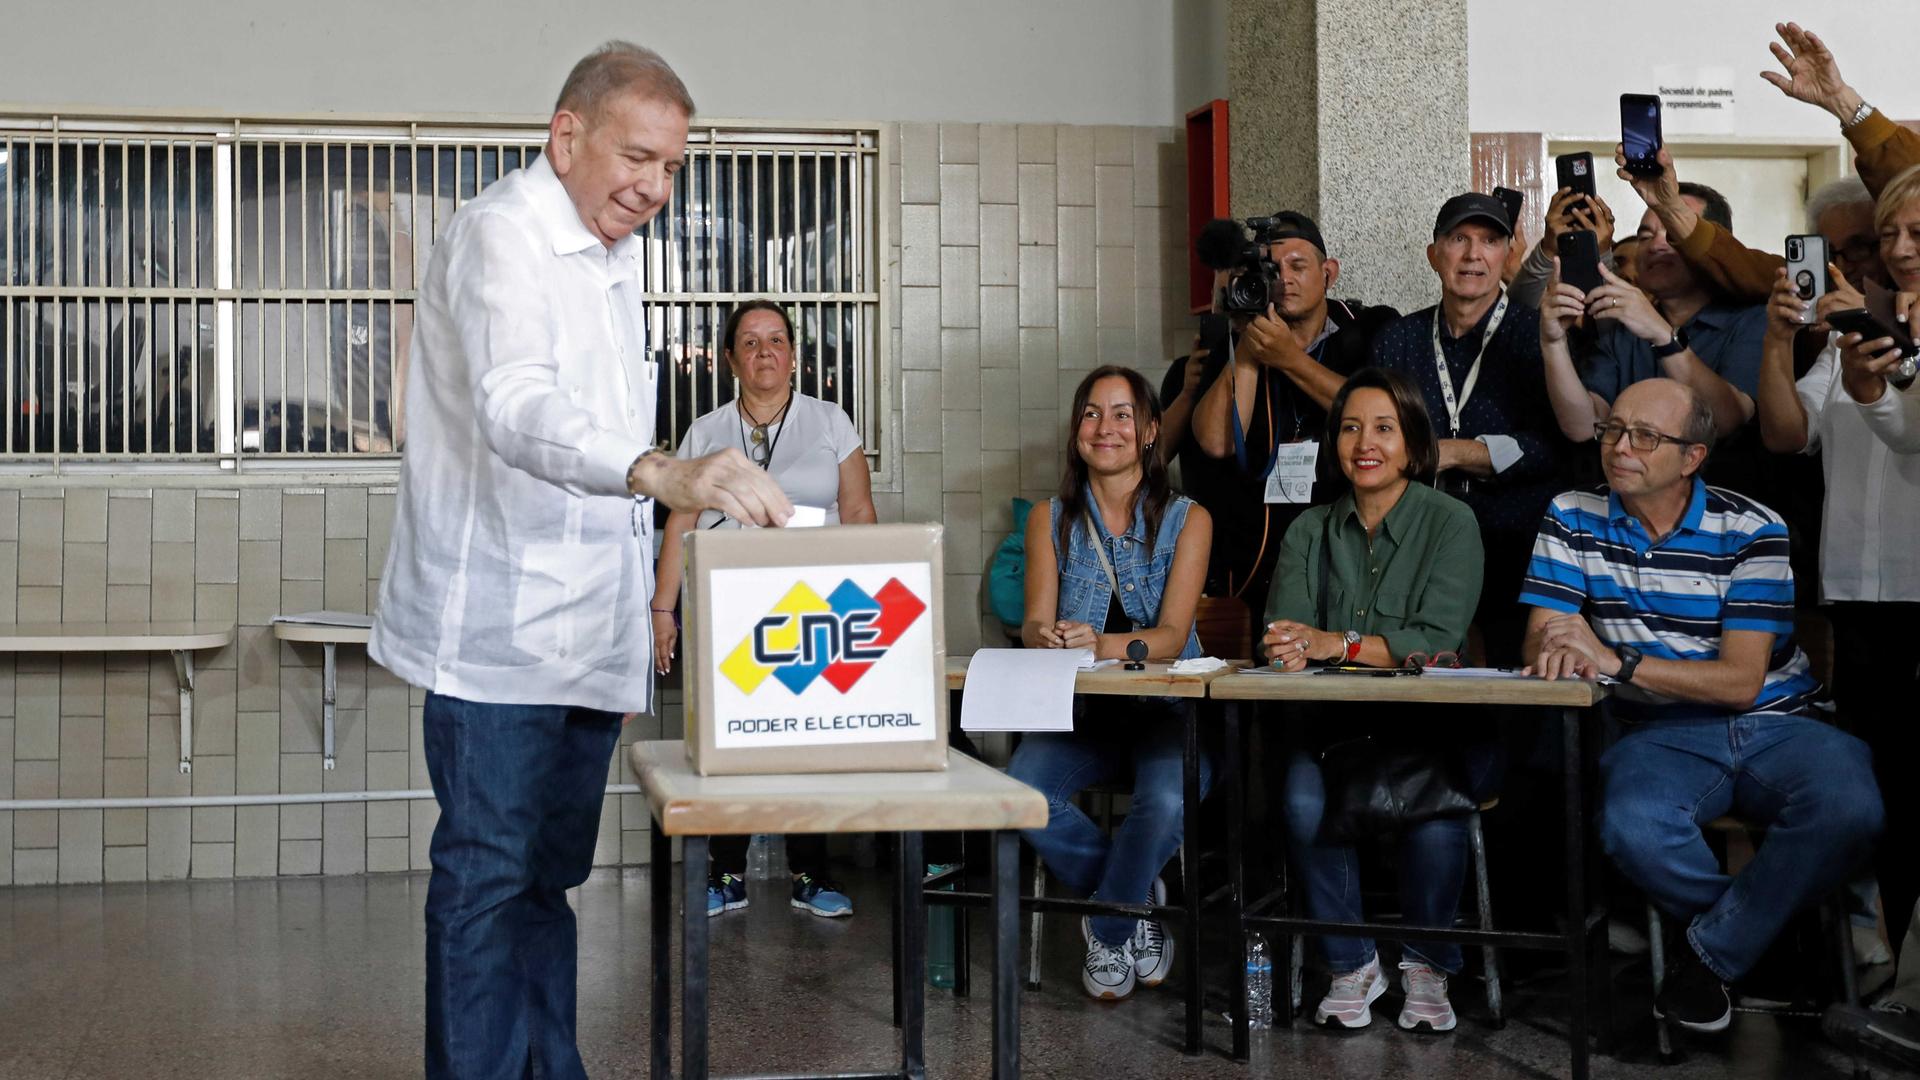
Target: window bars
x,y
226,293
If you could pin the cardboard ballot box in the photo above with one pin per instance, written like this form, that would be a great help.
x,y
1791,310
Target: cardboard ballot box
x,y
815,650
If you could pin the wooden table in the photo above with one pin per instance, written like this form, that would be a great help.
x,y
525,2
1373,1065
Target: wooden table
x,y
329,630
1156,680
1584,940
967,796
182,639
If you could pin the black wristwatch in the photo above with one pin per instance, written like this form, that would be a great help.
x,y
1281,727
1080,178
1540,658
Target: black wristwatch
x,y
1629,660
1678,344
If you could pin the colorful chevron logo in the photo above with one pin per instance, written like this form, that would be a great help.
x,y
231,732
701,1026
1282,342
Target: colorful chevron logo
x,y
838,638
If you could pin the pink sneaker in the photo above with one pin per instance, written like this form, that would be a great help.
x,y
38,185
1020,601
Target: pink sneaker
x,y
1427,1003
1349,1000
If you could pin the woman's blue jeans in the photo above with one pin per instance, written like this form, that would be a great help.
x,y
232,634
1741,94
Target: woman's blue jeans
x,y
1432,864
520,789
1112,736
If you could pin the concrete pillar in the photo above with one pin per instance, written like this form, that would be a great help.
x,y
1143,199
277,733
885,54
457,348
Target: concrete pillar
x,y
1355,112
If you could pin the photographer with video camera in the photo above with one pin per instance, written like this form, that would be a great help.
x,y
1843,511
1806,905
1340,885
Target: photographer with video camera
x,y
1287,348
1476,358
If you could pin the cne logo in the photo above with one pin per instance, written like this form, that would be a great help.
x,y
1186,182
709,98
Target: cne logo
x,y
838,638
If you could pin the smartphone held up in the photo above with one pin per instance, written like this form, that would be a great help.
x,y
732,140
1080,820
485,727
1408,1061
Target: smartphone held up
x,y
1640,138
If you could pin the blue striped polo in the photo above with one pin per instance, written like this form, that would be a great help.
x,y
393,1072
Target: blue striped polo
x,y
1724,567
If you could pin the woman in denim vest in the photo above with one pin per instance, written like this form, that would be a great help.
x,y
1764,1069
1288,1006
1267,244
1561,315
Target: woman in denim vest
x,y
1117,558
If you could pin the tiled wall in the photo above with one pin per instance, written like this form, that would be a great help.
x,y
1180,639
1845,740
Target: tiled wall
x,y
1022,257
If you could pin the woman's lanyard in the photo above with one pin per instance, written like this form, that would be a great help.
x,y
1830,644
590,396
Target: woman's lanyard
x,y
1106,563
1447,396
773,444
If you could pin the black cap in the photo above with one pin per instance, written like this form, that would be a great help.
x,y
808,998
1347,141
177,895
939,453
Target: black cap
x,y
1294,225
1468,207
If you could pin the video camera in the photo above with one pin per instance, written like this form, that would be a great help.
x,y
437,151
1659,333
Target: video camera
x,y
1240,247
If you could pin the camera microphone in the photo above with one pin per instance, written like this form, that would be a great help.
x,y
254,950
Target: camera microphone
x,y
1219,243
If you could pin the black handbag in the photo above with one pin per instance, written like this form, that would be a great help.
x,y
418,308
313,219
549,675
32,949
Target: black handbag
x,y
1374,788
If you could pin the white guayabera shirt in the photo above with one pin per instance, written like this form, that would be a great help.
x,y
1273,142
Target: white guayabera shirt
x,y
520,570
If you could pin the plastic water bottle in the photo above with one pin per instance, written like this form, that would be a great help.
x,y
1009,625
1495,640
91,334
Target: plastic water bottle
x,y
1259,984
759,858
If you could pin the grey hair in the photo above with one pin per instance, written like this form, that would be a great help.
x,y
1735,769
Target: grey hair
x,y
616,67
1843,192
1699,423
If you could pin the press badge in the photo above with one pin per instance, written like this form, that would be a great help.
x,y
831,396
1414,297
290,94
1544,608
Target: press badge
x,y
1294,466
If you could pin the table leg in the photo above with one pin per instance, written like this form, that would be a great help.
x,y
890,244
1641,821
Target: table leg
x,y
661,873
693,958
899,948
913,919
1576,871
1006,954
1190,873
1237,878
963,930
329,699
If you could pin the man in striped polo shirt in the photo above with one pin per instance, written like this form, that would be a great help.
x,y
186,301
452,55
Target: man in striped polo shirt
x,y
1682,594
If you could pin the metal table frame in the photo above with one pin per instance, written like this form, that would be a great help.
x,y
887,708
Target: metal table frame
x,y
1004,812
1583,942
1185,916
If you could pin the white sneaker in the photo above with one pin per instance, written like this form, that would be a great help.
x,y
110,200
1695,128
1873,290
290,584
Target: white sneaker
x,y
1350,999
1426,1004
1108,972
1152,945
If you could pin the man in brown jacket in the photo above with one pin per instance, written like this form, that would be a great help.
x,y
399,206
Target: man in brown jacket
x,y
1812,75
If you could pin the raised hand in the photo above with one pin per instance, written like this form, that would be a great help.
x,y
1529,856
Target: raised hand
x,y
1562,307
1812,74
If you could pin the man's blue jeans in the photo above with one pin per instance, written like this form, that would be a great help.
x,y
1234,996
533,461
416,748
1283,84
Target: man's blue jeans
x,y
520,789
1112,736
1432,865
1808,782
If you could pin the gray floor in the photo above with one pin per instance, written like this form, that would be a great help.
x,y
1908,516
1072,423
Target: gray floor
x,y
322,978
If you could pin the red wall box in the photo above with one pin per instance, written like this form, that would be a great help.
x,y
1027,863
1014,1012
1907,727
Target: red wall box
x,y
1207,191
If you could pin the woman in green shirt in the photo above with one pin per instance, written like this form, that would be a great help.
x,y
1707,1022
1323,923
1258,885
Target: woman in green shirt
x,y
1389,570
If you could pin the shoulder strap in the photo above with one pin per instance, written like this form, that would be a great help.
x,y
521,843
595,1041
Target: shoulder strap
x,y
1106,563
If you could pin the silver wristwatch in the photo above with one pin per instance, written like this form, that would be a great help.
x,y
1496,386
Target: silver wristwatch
x,y
1859,116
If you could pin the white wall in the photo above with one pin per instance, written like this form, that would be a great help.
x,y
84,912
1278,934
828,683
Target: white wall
x,y
1062,61
1559,67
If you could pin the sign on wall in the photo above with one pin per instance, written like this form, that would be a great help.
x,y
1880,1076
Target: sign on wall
x,y
1695,100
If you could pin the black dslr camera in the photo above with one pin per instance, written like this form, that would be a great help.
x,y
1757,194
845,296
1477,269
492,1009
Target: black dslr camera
x,y
1240,247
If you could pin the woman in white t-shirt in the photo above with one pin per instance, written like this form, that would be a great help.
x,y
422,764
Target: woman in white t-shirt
x,y
810,449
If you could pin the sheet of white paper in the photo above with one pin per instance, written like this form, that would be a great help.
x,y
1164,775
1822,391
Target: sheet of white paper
x,y
326,618
1021,689
807,517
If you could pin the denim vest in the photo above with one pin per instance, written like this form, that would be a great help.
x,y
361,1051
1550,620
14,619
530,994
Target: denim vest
x,y
1084,589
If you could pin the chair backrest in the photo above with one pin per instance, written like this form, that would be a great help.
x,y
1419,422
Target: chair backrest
x,y
1225,627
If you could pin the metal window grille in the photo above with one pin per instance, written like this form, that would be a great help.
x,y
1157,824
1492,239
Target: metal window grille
x,y
227,293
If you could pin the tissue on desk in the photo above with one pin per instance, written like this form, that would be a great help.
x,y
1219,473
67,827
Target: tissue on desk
x,y
1198,665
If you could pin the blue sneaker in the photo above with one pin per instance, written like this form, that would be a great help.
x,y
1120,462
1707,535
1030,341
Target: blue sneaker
x,y
725,893
820,897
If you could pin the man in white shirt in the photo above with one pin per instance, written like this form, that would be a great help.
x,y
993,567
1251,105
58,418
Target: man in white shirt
x,y
519,574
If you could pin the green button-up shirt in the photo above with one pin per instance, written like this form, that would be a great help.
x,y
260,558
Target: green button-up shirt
x,y
1416,582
